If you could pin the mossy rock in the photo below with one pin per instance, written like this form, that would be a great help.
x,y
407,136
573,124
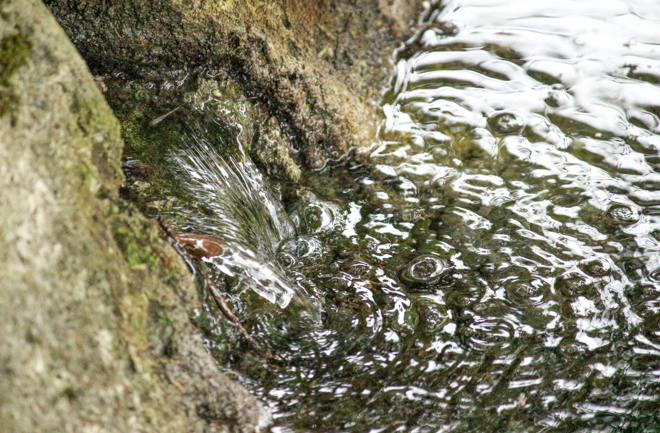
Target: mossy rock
x,y
95,304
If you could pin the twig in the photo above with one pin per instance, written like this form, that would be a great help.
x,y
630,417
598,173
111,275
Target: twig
x,y
221,302
229,314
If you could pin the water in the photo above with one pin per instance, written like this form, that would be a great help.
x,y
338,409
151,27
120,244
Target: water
x,y
242,212
495,266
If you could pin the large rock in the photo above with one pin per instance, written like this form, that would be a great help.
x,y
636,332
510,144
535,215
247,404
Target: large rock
x,y
94,303
311,64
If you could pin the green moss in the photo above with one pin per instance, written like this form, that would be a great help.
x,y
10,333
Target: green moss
x,y
14,50
136,252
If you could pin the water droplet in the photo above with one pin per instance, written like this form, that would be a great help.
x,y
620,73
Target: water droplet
x,y
506,122
620,214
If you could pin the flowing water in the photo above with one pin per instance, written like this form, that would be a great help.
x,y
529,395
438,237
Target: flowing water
x,y
494,266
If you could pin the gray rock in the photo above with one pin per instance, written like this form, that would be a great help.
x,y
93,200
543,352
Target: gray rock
x,y
94,303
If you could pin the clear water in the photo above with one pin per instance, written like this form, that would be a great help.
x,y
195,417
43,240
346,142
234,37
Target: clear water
x,y
492,262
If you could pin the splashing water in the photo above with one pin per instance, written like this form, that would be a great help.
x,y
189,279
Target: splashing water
x,y
243,212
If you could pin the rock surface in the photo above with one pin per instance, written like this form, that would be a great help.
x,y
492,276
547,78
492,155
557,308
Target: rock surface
x,y
94,303
309,64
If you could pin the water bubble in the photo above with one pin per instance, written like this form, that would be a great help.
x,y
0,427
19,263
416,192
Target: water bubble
x,y
596,267
621,214
506,122
316,217
424,270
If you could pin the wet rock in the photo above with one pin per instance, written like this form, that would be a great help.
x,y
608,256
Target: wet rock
x,y
271,153
304,61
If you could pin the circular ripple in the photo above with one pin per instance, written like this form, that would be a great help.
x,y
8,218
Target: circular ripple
x,y
624,215
506,122
596,267
432,316
521,292
484,333
424,270
573,284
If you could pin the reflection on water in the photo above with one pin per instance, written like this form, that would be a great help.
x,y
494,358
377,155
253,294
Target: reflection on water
x,y
498,269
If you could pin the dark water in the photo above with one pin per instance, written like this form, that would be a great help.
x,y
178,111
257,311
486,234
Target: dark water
x,y
495,267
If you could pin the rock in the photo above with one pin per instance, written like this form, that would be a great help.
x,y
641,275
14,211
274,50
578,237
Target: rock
x,y
311,64
94,303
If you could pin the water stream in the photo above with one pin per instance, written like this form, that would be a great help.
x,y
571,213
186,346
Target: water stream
x,y
495,265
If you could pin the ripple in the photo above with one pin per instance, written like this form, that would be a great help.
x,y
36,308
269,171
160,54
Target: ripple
x,y
506,122
596,267
526,291
488,332
623,215
573,284
424,271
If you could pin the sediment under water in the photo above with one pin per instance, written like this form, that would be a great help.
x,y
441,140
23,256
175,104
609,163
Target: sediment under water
x,y
497,266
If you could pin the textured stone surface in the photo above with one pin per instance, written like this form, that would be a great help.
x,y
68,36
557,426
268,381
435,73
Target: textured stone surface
x,y
94,303
311,64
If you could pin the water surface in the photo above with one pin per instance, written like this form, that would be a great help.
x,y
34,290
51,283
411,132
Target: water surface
x,y
495,263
